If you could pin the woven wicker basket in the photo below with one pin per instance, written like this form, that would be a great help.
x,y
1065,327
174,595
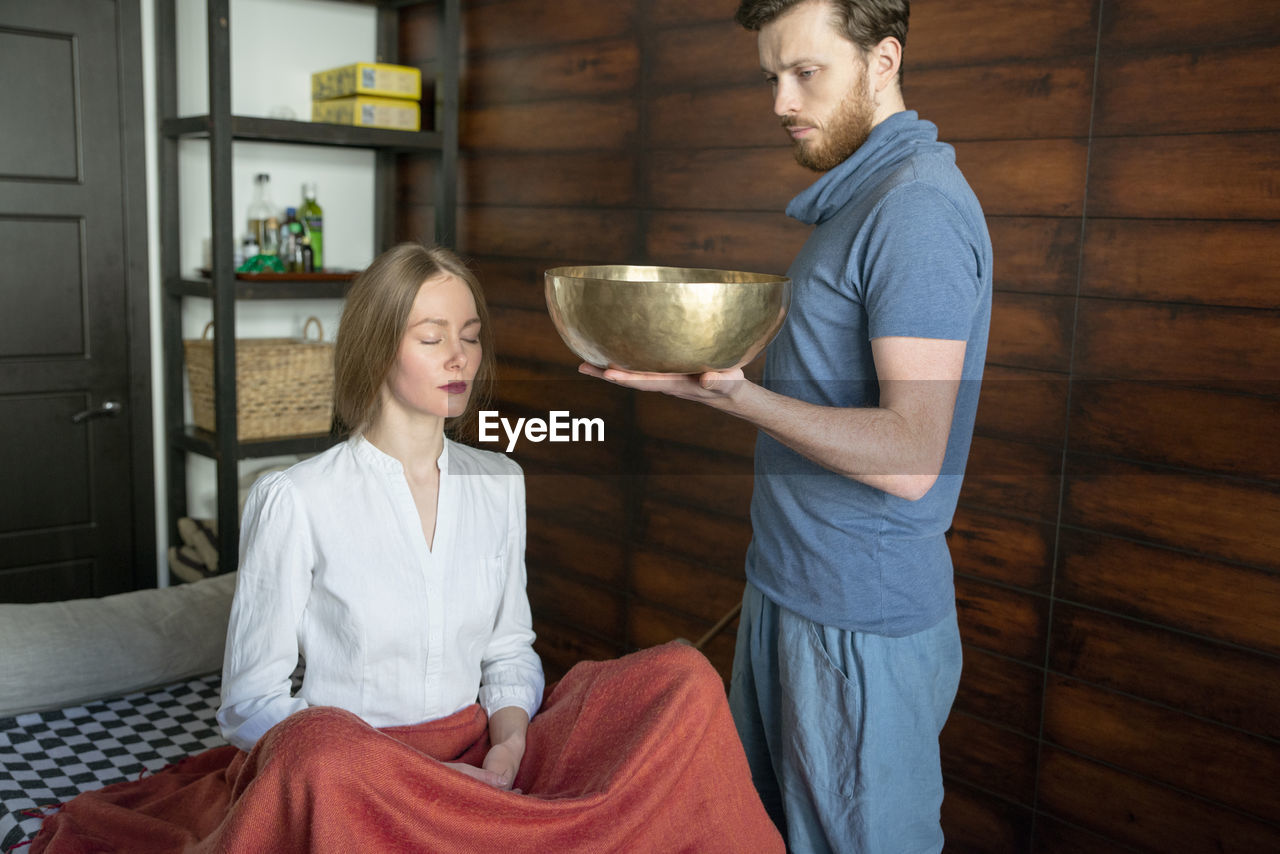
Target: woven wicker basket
x,y
284,386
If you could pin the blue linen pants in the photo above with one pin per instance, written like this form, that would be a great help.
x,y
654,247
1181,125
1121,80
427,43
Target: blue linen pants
x,y
841,728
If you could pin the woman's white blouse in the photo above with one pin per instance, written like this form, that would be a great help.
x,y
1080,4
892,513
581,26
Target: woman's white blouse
x,y
334,565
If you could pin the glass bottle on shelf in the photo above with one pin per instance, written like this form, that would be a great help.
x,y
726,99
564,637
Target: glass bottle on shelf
x,y
271,236
291,233
313,219
260,209
308,255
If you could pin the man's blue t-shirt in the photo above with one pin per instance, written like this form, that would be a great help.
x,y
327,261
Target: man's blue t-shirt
x,y
900,248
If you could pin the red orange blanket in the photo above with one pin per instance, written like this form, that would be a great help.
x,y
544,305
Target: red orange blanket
x,y
638,754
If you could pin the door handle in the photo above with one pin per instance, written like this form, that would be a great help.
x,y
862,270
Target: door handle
x,y
108,409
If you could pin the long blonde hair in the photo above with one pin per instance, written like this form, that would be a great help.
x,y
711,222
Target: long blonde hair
x,y
374,320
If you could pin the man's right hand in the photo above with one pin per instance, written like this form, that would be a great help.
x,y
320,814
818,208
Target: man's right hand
x,y
713,388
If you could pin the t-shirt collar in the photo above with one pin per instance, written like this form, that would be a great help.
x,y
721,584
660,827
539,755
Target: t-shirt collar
x,y
888,143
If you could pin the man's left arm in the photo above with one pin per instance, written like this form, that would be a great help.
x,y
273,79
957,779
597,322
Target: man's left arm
x,y
897,447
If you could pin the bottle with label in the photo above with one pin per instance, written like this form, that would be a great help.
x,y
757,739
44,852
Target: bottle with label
x,y
291,233
271,235
313,219
261,209
308,257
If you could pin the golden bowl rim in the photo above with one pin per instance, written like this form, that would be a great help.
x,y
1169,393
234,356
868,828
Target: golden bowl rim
x,y
561,280
684,275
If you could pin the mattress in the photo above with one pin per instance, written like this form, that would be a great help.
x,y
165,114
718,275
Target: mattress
x,y
47,758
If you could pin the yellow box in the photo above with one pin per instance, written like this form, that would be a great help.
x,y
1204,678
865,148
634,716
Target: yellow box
x,y
367,78
391,113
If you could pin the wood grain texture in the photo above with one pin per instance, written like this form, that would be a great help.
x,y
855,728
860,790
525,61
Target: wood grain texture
x,y
1229,519
511,24
1211,680
1201,91
758,242
672,13
944,32
1144,814
707,593
1183,591
1216,432
1197,176
1206,262
561,646
761,179
1219,764
593,236
554,546
566,598
415,179
418,35
1031,331
1011,477
721,541
719,483
741,117
995,759
650,626
976,822
1005,692
1159,25
579,179
1015,101
1001,620
1030,405
593,504
415,223
528,334
514,282
716,54
1057,837
998,548
1035,254
1225,348
581,69
605,123
1026,177
663,417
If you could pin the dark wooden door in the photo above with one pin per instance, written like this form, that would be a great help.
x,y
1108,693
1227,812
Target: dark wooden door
x,y
76,479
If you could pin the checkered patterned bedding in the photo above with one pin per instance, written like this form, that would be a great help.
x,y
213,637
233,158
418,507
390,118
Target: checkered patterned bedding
x,y
49,757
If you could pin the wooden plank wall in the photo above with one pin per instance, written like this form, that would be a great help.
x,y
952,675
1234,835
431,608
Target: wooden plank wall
x,y
1117,542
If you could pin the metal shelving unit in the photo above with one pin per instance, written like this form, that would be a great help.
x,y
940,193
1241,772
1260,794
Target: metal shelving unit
x,y
222,129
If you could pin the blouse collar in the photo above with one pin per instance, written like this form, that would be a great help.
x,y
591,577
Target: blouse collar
x,y
371,453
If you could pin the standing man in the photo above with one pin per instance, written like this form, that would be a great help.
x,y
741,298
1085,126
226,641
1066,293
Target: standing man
x,y
848,654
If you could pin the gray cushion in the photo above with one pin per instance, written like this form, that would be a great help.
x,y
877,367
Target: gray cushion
x,y
56,654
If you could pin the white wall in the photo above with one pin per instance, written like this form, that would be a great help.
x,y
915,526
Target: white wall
x,y
275,46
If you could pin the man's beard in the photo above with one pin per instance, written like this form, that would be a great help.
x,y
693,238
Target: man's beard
x,y
841,136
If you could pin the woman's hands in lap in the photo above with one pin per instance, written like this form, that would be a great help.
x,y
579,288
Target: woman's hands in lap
x,y
507,729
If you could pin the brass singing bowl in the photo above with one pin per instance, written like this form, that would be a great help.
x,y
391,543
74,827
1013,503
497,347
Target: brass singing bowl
x,y
671,320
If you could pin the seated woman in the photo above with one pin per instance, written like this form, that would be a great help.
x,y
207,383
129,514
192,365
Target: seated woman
x,y
394,564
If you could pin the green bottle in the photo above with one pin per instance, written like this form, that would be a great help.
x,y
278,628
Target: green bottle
x,y
313,217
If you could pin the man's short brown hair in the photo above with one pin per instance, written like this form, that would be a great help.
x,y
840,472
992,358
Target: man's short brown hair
x,y
866,23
